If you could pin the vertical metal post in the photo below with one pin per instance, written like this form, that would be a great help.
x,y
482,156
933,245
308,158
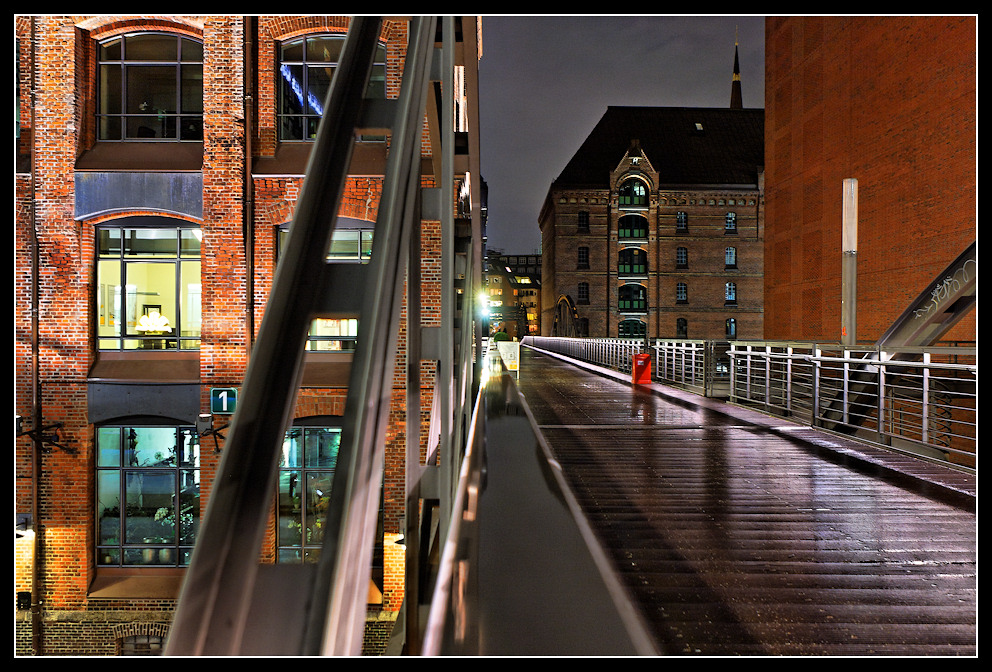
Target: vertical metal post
x,y
849,279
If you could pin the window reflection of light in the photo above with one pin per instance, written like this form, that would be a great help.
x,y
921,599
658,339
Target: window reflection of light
x,y
315,105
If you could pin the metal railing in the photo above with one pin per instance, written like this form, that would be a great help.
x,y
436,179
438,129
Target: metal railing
x,y
612,353
923,400
513,515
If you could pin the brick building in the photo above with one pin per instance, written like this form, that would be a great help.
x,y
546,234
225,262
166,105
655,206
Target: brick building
x,y
159,162
890,101
655,227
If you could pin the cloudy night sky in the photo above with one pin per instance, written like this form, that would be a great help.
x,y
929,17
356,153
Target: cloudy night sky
x,y
545,81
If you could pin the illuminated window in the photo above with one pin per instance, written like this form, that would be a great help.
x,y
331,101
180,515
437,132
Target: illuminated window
x,y
730,223
632,261
150,87
633,194
306,471
632,299
730,257
148,285
147,495
306,67
632,227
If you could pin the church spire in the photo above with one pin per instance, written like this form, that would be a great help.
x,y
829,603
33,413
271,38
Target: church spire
x,y
736,100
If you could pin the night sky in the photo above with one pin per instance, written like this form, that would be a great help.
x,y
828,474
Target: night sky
x,y
545,81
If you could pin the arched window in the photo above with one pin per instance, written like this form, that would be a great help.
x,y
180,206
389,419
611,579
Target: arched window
x,y
583,293
731,327
632,299
632,261
306,470
730,293
632,227
631,328
147,494
730,257
681,257
681,292
681,328
150,87
681,221
633,194
148,284
306,67
730,223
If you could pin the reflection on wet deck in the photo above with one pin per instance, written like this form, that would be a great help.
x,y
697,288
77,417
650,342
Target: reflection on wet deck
x,y
740,538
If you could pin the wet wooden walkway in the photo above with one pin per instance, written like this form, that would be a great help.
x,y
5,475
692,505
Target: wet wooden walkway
x,y
740,534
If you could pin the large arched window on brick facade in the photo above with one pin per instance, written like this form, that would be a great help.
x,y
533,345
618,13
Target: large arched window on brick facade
x,y
632,298
633,193
148,284
306,67
150,87
147,494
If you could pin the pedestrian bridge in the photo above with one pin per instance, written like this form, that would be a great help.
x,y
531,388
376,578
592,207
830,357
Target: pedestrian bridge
x,y
715,499
719,529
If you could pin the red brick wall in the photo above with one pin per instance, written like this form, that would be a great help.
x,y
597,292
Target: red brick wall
x,y
65,102
889,101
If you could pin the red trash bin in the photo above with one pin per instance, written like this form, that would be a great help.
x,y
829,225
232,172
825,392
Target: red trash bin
x,y
642,369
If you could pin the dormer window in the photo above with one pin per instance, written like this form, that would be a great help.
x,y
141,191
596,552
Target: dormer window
x,y
633,194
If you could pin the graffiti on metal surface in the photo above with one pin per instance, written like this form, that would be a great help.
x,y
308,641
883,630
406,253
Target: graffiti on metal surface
x,y
948,287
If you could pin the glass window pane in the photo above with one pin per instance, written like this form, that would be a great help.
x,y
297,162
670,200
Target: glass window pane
x,y
150,516
291,89
290,508
324,49
190,299
110,89
292,51
318,499
150,242
111,51
292,449
191,50
151,298
189,242
151,89
318,83
151,47
191,91
108,447
108,507
108,300
151,446
321,449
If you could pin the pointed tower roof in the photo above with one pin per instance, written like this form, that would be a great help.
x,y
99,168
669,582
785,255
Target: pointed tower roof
x,y
736,99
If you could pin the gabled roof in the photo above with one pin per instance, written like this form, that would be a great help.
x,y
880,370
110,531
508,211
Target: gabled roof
x,y
726,148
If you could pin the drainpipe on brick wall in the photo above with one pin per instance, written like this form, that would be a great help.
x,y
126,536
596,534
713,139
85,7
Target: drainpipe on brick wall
x,y
248,207
37,550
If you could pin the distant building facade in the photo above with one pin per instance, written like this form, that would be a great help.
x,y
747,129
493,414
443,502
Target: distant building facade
x,y
655,228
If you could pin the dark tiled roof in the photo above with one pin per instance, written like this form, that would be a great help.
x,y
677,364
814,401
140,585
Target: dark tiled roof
x,y
728,150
